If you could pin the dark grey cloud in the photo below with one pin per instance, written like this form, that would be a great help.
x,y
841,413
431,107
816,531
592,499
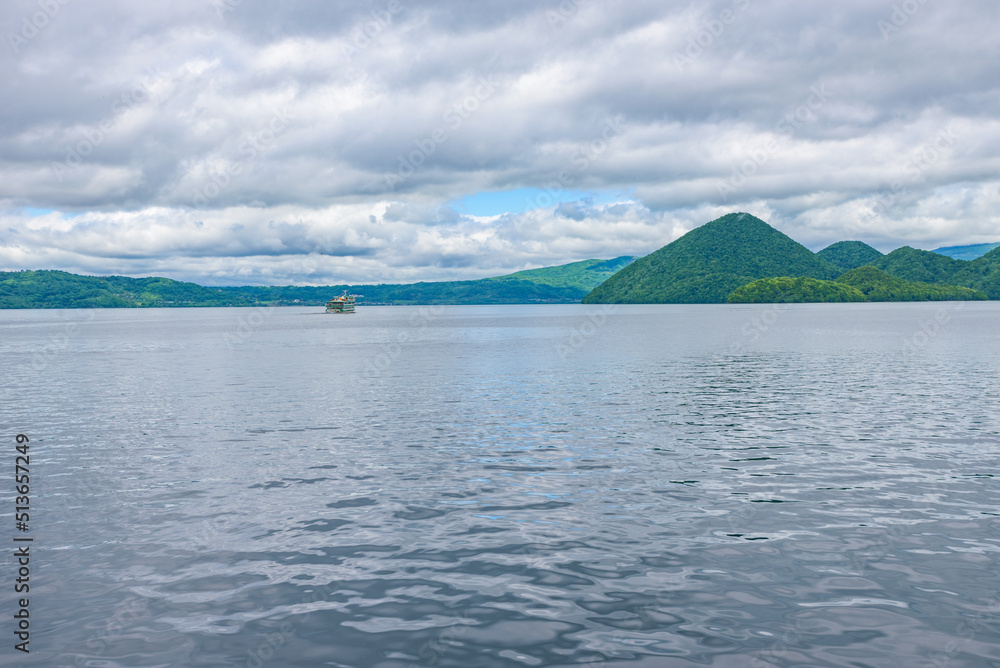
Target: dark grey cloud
x,y
348,126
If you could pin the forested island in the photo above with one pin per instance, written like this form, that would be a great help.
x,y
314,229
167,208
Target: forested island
x,y
739,258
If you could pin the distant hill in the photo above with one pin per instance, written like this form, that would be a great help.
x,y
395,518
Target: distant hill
x,y
849,254
878,286
586,274
910,264
919,265
787,290
863,284
482,291
711,261
562,284
966,252
59,289
983,273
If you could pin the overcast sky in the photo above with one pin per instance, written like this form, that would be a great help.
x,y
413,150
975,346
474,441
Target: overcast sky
x,y
320,142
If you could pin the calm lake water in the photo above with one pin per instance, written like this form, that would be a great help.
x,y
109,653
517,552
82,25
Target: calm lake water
x,y
507,486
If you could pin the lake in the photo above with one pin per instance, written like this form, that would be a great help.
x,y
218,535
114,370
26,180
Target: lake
x,y
508,486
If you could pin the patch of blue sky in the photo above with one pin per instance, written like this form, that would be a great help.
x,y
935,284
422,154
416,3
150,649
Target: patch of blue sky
x,y
495,203
35,212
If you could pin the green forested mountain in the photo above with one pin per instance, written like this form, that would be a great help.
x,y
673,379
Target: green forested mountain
x,y
878,286
922,266
849,254
586,274
566,283
983,273
786,290
910,264
741,258
59,289
863,284
711,261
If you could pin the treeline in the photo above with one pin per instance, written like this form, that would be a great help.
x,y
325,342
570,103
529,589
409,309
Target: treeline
x,y
561,284
864,284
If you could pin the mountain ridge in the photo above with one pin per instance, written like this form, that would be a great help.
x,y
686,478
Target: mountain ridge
x,y
709,262
705,265
850,254
566,283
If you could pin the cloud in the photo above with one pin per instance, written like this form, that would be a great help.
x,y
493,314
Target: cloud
x,y
284,129
385,242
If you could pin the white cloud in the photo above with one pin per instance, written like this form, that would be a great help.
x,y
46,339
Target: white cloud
x,y
275,127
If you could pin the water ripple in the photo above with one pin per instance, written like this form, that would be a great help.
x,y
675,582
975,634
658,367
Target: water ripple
x,y
822,496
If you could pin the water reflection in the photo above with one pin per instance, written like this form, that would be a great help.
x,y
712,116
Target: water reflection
x,y
684,488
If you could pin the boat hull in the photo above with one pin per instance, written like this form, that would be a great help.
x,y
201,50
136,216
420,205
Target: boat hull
x,y
342,304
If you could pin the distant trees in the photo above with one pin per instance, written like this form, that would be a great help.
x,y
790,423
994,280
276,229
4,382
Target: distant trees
x,y
879,286
849,254
58,289
864,284
786,290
